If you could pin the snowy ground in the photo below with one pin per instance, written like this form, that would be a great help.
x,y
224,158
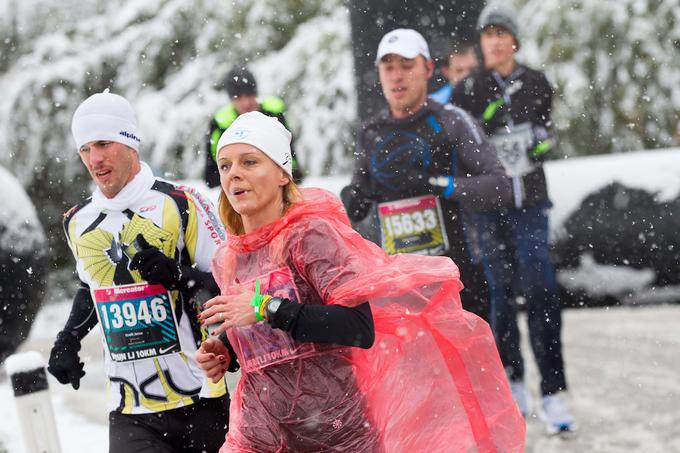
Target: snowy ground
x,y
621,364
622,370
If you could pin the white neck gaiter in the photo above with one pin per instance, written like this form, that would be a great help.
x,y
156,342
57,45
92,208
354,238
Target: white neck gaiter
x,y
128,196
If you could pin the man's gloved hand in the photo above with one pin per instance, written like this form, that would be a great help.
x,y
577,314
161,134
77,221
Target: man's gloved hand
x,y
357,203
64,363
154,266
442,185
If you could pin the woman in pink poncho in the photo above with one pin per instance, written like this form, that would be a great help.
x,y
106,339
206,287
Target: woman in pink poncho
x,y
322,369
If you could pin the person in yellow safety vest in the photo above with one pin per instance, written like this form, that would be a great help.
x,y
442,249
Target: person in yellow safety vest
x,y
242,89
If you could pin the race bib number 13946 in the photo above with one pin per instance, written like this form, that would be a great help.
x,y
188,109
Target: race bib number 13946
x,y
137,320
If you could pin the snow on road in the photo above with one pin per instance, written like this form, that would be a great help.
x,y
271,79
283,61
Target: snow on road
x,y
622,363
622,368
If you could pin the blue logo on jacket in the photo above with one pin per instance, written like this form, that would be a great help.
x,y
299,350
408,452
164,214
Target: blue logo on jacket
x,y
399,155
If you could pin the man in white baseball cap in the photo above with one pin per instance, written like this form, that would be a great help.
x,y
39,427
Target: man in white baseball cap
x,y
417,148
404,66
405,42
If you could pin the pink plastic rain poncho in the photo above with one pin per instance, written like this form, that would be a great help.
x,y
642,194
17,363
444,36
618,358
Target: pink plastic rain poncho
x,y
432,381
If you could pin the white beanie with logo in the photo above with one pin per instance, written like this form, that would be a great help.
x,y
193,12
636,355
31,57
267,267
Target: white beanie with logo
x,y
263,132
105,116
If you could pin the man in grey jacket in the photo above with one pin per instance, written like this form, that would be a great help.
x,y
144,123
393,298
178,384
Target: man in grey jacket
x,y
419,164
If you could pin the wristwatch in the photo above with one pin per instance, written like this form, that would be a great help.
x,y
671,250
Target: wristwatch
x,y
272,306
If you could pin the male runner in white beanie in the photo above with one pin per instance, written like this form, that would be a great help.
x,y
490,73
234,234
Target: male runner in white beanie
x,y
142,247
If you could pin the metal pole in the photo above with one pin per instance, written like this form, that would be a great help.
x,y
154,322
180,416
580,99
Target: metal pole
x,y
34,406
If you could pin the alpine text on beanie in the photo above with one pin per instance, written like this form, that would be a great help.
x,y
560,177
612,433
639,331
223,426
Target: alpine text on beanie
x,y
405,42
265,133
500,16
105,116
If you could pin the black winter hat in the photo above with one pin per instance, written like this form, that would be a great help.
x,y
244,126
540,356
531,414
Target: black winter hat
x,y
240,82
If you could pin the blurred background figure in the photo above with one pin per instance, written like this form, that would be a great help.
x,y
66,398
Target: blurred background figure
x,y
513,103
242,89
460,61
23,261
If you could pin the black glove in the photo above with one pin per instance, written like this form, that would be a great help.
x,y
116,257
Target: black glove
x,y
64,363
442,186
154,266
357,203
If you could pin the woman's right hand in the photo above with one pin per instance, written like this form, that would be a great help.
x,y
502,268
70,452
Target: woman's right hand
x,y
213,358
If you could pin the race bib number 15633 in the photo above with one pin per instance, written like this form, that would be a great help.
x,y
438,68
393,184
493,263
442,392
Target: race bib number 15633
x,y
413,225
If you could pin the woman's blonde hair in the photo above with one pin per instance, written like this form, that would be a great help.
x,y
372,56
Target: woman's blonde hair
x,y
232,219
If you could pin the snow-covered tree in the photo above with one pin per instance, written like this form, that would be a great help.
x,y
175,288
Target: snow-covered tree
x,y
615,67
169,58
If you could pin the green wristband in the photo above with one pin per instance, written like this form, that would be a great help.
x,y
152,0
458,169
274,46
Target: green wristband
x,y
258,316
542,148
256,301
490,110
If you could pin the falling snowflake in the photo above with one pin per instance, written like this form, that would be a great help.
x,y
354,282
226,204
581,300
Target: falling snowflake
x,y
337,424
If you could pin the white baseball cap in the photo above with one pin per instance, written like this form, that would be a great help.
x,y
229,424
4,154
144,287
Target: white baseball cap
x,y
105,116
265,133
405,42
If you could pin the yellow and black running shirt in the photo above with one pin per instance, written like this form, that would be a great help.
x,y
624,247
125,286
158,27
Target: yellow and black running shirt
x,y
183,225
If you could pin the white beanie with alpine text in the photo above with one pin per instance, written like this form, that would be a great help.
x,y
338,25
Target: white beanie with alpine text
x,y
105,116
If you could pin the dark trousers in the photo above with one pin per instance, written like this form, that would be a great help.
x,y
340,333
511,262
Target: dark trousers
x,y
200,427
514,251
